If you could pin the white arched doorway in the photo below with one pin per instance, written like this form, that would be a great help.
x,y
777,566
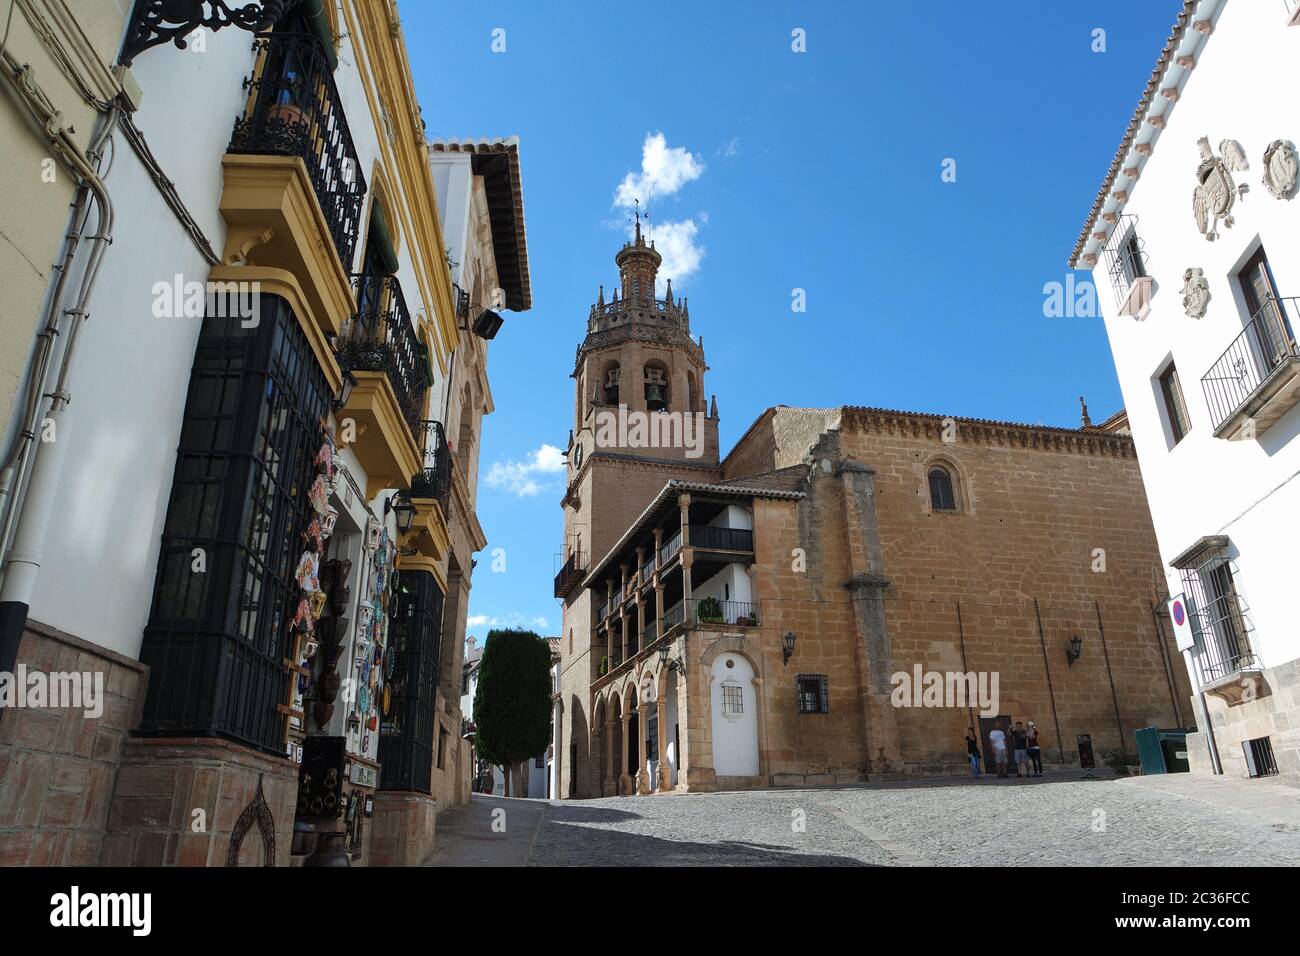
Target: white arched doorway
x,y
735,716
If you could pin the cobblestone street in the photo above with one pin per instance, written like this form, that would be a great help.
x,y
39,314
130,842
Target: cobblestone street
x,y
1059,820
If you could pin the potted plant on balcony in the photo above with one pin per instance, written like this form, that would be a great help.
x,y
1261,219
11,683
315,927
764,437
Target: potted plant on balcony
x,y
604,667
709,611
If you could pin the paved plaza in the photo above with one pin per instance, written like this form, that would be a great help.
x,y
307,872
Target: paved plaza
x,y
1062,819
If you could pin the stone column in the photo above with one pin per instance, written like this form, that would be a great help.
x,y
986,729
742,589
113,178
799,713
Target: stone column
x,y
665,782
625,781
607,785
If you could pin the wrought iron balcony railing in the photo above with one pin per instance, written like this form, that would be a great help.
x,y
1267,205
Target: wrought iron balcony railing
x,y
573,571
721,539
674,616
294,109
651,632
381,338
434,480
602,611
712,611
1265,345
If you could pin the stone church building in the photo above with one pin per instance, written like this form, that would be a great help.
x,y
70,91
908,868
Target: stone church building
x,y
761,618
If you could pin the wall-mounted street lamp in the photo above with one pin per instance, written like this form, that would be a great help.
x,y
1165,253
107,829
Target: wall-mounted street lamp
x,y
403,509
676,664
155,22
1073,650
787,647
345,390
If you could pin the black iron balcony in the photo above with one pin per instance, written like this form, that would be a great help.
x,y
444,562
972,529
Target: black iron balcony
x,y
294,109
602,611
674,616
670,547
713,538
1257,380
381,338
434,481
651,632
710,611
575,568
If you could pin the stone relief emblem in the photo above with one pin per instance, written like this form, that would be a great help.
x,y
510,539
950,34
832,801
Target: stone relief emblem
x,y
1280,168
1196,293
1215,189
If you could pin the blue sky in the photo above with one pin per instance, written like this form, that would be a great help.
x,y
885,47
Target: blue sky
x,y
818,170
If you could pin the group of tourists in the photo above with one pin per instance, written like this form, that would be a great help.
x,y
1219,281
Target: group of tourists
x,y
1021,741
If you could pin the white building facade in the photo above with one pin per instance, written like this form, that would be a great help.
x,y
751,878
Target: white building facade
x,y
239,514
1194,246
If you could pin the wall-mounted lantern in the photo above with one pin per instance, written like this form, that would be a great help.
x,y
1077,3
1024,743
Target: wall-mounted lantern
x,y
787,647
1073,650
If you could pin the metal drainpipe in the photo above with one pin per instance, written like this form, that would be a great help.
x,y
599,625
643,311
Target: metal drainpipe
x,y
30,508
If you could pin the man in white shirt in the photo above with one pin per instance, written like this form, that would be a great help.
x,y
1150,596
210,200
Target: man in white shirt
x,y
998,740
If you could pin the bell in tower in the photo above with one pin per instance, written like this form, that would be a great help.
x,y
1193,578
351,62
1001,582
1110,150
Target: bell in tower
x,y
656,391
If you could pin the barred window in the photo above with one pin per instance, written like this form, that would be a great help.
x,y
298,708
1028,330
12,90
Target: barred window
x,y
1216,611
812,693
733,700
251,429
941,492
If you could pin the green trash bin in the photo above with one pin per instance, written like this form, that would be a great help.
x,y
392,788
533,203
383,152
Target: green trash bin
x,y
1162,751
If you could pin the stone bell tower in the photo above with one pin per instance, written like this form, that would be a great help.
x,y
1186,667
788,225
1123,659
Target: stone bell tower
x,y
640,420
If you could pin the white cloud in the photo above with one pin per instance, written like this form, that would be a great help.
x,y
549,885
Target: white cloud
x,y
479,620
664,170
518,477
675,241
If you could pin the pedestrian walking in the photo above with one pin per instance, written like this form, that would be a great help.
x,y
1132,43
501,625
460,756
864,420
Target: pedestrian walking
x,y
1020,741
998,741
973,751
1035,750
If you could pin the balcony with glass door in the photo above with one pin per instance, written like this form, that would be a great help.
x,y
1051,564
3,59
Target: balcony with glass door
x,y
1257,379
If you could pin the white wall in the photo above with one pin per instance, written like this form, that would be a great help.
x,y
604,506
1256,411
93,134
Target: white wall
x,y
735,739
130,375
1242,88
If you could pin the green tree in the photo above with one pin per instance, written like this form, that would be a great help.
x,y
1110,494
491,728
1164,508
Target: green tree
x,y
512,704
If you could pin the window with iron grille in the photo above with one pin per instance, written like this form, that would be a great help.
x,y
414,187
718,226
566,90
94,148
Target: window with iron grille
x,y
813,695
1175,407
733,700
216,640
1125,257
1216,610
415,633
652,732
1259,757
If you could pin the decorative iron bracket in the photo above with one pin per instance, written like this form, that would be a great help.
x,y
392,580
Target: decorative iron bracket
x,y
154,22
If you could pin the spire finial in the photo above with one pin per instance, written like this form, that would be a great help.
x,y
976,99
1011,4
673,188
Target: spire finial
x,y
638,221
1087,422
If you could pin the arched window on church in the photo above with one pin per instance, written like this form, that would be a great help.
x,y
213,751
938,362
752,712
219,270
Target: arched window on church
x,y
942,497
692,396
656,387
610,387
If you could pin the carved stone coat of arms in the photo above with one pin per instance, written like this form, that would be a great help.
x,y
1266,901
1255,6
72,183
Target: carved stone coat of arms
x,y
1280,168
1215,189
1196,293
